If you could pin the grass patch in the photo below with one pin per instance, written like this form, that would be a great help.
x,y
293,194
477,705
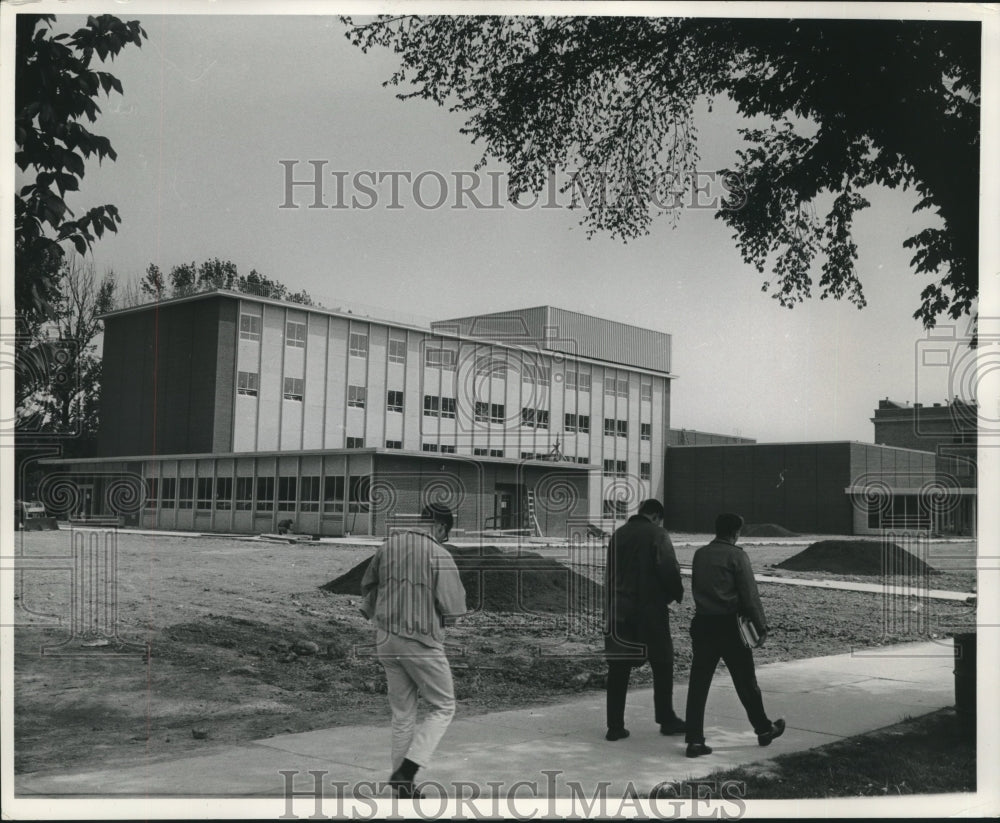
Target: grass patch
x,y
932,754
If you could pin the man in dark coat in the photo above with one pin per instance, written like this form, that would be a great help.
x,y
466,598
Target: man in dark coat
x,y
724,589
641,578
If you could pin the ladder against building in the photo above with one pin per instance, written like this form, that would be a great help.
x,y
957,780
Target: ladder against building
x,y
536,530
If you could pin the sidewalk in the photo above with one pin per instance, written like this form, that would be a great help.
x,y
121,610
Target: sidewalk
x,y
823,699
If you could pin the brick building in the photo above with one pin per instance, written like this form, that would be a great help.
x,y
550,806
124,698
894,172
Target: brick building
x,y
235,412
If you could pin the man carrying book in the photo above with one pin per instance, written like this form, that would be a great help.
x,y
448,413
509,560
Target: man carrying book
x,y
724,590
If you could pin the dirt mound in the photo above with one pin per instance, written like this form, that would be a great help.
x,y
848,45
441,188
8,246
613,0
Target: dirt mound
x,y
500,582
856,557
766,530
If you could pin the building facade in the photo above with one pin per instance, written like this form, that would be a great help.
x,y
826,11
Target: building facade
x,y
810,488
238,412
950,431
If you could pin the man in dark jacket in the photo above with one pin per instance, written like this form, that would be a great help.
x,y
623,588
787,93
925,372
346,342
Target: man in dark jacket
x,y
641,578
723,589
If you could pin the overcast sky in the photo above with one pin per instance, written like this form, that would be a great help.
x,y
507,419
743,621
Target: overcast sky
x,y
212,104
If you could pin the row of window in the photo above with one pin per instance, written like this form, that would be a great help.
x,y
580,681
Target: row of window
x,y
248,384
540,373
619,468
305,494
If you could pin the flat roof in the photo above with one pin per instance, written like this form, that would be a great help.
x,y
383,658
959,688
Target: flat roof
x,y
473,458
797,443
430,331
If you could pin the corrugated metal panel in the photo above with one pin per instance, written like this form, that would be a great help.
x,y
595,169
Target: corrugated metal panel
x,y
589,336
570,332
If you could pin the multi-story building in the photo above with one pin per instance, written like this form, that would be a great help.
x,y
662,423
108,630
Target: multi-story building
x,y
950,431
238,412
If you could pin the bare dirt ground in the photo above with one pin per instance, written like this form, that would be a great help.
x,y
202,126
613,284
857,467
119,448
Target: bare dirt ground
x,y
243,645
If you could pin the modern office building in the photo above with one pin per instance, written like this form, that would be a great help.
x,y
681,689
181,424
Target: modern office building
x,y
950,431
239,412
811,488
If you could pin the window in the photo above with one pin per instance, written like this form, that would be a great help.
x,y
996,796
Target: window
x,y
168,494
293,388
355,442
248,383
447,449
498,413
333,495
309,494
360,494
186,494
645,431
151,489
583,460
394,444
609,427
616,509
645,471
356,396
583,381
204,493
481,452
429,447
482,412
224,493
618,468
432,407
528,417
295,334
622,428
528,455
265,494
397,351
394,401
616,386
249,327
358,344
646,391
286,494
448,407
583,424
244,494
439,359
496,452
540,373
570,380
541,418
569,423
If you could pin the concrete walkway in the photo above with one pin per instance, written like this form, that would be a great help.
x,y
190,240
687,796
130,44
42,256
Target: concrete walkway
x,y
823,699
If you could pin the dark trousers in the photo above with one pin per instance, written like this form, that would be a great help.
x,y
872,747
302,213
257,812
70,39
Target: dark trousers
x,y
660,654
714,638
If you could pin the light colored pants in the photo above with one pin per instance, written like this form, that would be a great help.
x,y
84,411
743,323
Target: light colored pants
x,y
412,667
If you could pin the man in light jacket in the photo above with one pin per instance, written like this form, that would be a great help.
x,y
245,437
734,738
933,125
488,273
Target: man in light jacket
x,y
723,589
411,590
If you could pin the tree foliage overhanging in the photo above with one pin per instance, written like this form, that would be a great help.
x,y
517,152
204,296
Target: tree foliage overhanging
x,y
56,91
847,103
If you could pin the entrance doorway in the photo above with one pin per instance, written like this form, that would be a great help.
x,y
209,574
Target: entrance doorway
x,y
507,506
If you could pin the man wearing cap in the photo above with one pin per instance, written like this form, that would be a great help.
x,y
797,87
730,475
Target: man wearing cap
x,y
724,589
411,590
641,579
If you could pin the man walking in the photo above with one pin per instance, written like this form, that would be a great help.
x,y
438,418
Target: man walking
x,y
641,578
723,588
411,589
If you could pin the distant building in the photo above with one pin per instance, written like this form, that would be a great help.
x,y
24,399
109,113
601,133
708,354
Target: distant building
x,y
820,488
950,431
238,412
692,437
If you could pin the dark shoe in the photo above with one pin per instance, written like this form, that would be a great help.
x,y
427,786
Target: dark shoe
x,y
777,729
675,726
698,749
616,734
